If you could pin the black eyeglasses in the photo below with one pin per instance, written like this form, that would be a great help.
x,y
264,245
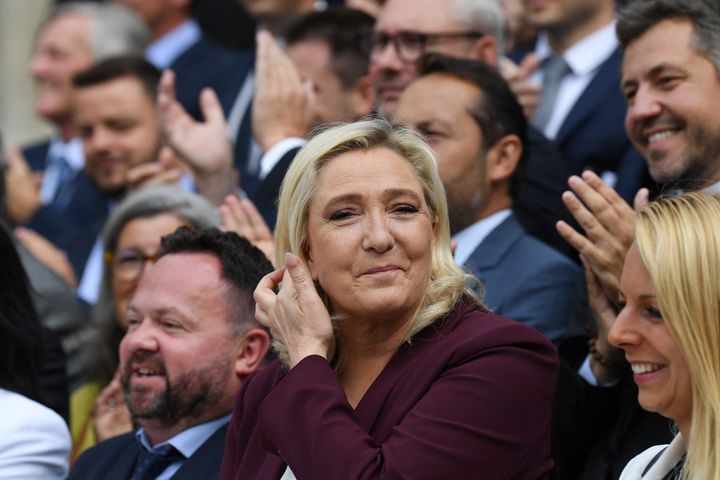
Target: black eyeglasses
x,y
410,46
127,265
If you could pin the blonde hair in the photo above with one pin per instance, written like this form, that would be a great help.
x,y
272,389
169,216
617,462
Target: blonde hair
x,y
448,282
679,242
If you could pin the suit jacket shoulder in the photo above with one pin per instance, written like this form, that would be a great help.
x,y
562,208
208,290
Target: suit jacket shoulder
x,y
464,370
526,280
209,64
36,154
114,459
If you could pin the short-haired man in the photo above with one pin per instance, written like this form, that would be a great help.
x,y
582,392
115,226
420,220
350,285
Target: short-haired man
x,y
329,49
478,131
70,40
192,339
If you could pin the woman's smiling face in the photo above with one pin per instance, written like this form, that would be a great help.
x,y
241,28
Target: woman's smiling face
x,y
659,368
370,235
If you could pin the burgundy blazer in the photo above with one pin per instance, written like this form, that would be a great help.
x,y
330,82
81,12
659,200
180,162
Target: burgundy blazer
x,y
470,397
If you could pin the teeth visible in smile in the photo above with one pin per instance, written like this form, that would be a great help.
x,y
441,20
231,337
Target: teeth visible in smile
x,y
145,372
641,368
656,137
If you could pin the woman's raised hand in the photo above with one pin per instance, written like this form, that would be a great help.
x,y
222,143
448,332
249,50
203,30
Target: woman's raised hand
x,y
295,315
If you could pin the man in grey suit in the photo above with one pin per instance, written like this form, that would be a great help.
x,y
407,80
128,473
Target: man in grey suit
x,y
191,341
477,129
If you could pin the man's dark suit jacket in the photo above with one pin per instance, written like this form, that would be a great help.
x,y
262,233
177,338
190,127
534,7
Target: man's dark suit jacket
x,y
266,195
469,397
526,280
115,458
538,203
593,134
209,64
75,226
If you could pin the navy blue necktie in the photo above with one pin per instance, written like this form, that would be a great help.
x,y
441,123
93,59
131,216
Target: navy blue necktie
x,y
151,464
65,184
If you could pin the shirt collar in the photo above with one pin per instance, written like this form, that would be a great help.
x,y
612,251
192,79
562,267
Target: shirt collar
x,y
71,152
189,440
166,49
587,54
470,237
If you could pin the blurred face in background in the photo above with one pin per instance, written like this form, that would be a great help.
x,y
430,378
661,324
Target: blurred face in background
x,y
333,101
62,50
261,9
119,127
137,245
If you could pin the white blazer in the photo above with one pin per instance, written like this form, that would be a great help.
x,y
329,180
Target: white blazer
x,y
669,458
34,441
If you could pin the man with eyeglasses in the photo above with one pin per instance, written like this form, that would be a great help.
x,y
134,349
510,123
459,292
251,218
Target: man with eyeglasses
x,y
406,30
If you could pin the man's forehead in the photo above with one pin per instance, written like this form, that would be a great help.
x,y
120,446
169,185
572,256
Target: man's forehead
x,y
417,15
669,43
423,97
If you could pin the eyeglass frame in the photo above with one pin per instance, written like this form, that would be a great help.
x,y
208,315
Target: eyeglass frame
x,y
422,38
111,260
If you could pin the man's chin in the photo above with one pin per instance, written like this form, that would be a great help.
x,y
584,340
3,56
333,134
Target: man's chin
x,y
110,190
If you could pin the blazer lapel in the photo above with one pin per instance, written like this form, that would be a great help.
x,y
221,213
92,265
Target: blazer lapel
x,y
604,84
205,462
124,460
495,246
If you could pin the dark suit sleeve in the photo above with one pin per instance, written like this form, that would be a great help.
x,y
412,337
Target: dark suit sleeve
x,y
483,414
548,297
267,192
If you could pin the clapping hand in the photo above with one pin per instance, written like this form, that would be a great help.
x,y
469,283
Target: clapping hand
x,y
609,225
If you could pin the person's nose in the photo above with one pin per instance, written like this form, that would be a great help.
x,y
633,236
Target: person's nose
x,y
386,57
38,65
141,337
99,141
624,332
378,236
644,105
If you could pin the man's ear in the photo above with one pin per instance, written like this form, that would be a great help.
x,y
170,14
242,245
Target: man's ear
x,y
503,158
362,97
485,49
252,351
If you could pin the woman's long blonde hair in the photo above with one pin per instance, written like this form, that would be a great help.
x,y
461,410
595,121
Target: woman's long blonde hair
x,y
679,241
448,282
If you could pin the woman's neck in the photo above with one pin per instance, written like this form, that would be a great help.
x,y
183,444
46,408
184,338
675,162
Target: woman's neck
x,y
367,347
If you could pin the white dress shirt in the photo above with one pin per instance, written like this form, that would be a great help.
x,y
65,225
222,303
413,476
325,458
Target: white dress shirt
x,y
470,237
583,59
186,442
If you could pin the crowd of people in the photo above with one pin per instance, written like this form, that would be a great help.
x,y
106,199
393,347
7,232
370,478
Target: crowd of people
x,y
390,239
